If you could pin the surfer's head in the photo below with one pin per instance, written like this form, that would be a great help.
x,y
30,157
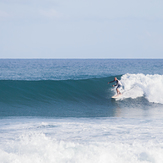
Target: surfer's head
x,y
115,78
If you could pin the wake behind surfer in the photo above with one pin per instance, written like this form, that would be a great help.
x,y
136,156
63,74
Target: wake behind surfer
x,y
118,84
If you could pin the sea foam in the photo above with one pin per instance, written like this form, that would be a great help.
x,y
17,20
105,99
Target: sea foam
x,y
81,140
49,151
138,85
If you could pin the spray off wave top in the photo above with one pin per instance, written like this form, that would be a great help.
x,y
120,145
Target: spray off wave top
x,y
138,85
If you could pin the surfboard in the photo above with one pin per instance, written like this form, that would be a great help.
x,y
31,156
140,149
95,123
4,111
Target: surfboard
x,y
117,96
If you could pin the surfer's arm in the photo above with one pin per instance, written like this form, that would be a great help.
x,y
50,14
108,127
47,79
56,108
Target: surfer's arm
x,y
111,81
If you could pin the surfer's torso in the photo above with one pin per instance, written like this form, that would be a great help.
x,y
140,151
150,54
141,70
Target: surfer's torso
x,y
118,83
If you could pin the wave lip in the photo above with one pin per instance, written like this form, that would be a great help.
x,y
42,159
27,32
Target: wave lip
x,y
139,85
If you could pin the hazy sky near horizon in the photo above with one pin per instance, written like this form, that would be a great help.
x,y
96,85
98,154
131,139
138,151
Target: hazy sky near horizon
x,y
81,29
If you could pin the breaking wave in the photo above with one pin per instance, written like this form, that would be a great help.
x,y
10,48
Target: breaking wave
x,y
139,85
77,98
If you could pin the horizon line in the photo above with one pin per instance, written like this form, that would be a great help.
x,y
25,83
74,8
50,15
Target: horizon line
x,y
80,58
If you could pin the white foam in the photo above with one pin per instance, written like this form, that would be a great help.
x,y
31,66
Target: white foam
x,y
138,85
85,140
50,151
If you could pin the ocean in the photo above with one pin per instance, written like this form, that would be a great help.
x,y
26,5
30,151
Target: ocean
x,y
61,111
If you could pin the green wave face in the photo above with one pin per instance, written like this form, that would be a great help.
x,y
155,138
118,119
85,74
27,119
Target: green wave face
x,y
63,98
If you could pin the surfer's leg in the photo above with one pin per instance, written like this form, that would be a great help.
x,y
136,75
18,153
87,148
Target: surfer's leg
x,y
118,92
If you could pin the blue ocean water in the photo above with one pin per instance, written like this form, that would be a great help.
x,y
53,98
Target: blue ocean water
x,y
55,110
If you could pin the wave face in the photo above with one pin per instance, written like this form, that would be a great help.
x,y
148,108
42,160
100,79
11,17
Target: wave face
x,y
13,91
49,97
139,85
78,98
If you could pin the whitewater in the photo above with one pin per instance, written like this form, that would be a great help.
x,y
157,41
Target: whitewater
x,y
84,140
139,85
61,111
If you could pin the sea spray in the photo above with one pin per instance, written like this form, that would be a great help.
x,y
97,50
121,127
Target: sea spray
x,y
138,85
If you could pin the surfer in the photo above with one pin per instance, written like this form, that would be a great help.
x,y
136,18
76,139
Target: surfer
x,y
117,83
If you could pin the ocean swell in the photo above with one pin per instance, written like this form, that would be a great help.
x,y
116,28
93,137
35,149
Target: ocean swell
x,y
78,98
54,97
19,91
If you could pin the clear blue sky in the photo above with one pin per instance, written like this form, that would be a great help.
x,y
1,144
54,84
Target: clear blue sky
x,y
81,29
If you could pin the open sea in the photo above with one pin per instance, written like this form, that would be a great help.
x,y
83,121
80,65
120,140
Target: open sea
x,y
61,111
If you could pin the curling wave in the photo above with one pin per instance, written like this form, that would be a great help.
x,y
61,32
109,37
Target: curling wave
x,y
139,85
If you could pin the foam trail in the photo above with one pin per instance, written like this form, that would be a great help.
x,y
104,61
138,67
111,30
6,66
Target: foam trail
x,y
138,85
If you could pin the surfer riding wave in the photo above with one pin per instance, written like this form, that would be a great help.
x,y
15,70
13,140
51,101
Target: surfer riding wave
x,y
118,84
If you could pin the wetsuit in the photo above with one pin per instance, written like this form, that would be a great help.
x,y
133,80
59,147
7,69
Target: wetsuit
x,y
118,84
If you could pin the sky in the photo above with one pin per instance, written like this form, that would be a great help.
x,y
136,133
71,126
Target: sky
x,y
81,29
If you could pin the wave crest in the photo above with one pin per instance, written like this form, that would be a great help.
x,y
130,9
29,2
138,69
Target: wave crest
x,y
138,85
